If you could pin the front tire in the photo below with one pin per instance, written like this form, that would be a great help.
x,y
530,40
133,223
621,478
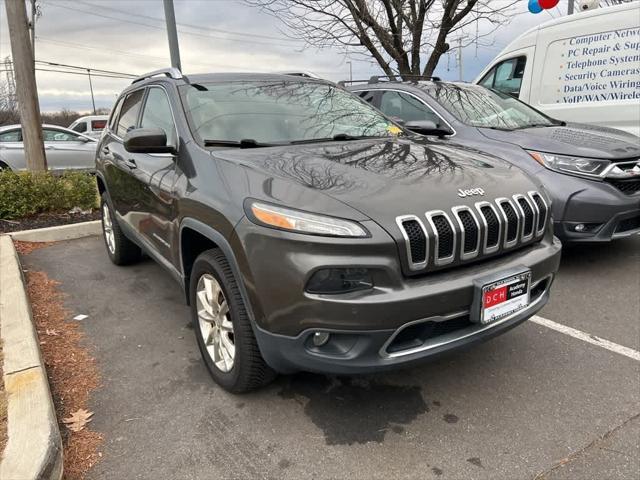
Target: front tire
x,y
223,328
120,249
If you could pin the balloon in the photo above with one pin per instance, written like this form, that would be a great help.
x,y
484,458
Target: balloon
x,y
546,4
534,6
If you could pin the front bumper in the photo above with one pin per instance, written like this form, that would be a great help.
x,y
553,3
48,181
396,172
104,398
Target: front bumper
x,y
605,212
364,324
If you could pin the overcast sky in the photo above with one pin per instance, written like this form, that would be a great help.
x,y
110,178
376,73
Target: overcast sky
x,y
217,35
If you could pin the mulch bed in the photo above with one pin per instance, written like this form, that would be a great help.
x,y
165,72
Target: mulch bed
x,y
71,369
42,220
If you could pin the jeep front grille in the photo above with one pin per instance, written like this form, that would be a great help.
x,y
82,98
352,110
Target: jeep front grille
x,y
465,232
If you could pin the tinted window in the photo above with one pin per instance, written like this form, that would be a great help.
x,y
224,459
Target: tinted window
x,y
157,114
406,107
51,135
508,76
366,96
11,136
113,119
129,113
80,127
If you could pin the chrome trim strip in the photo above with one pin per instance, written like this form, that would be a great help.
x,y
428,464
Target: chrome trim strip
x,y
412,265
525,238
486,249
532,194
512,243
450,338
436,259
456,214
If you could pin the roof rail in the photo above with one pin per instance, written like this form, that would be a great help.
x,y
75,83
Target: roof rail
x,y
376,79
169,72
298,73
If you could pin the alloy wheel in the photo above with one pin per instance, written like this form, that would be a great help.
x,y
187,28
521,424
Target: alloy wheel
x,y
107,228
216,327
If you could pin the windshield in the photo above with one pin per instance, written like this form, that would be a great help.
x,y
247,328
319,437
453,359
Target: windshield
x,y
480,107
279,112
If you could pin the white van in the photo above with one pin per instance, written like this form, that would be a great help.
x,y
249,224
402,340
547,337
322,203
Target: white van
x,y
579,68
91,125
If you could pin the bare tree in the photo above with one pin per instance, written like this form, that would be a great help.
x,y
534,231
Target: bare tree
x,y
8,105
396,33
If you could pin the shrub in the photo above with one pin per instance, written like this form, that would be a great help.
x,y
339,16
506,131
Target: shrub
x,y
27,193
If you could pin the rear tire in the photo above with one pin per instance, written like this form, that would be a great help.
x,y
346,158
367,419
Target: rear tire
x,y
223,328
120,249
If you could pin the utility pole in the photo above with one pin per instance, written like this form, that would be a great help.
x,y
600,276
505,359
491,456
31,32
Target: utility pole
x,y
34,13
350,70
570,7
26,87
460,59
172,33
93,102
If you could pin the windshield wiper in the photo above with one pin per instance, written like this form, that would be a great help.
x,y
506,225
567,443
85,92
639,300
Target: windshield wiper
x,y
244,143
338,137
535,125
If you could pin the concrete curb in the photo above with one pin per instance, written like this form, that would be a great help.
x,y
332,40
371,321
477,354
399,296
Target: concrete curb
x,y
34,446
62,232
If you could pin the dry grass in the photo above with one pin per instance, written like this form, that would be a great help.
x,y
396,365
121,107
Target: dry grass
x,y
71,369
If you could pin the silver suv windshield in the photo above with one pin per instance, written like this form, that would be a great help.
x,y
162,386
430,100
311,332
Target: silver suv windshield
x,y
279,112
480,107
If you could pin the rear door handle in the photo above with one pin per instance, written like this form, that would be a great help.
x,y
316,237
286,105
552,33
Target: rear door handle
x,y
131,163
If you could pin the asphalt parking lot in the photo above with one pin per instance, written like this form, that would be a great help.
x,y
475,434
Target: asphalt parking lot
x,y
533,403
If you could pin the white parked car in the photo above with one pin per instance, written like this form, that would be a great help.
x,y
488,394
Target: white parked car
x,y
92,125
64,149
580,68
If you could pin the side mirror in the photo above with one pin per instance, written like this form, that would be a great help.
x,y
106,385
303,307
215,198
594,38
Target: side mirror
x,y
427,127
147,140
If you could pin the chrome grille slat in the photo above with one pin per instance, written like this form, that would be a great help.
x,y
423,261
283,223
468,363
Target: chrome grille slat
x,y
413,264
464,232
466,254
437,258
527,217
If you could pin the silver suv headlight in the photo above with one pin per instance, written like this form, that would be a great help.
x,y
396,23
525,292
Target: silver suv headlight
x,y
303,222
585,167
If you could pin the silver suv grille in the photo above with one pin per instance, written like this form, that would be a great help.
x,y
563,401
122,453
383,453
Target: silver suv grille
x,y
464,233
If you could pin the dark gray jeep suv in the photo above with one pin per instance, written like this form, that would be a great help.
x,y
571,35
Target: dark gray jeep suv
x,y
310,232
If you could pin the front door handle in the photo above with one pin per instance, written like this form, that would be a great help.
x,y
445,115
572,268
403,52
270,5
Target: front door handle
x,y
131,163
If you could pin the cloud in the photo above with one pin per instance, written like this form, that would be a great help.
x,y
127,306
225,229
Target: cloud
x,y
129,36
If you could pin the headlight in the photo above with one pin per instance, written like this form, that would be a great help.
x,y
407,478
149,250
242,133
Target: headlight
x,y
303,222
586,167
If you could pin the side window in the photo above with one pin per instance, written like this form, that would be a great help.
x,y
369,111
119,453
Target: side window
x,y
508,75
129,113
51,135
406,107
113,119
80,127
11,136
366,95
157,114
487,80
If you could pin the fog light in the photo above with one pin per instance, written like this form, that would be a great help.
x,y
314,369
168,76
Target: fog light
x,y
580,227
333,281
320,338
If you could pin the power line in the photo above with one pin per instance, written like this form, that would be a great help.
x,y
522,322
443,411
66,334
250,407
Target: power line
x,y
190,25
156,27
55,64
38,69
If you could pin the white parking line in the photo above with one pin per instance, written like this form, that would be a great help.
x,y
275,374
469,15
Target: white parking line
x,y
587,337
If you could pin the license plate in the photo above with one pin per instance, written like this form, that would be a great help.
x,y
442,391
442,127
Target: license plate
x,y
505,297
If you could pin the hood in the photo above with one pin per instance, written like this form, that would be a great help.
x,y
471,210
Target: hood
x,y
573,139
380,178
